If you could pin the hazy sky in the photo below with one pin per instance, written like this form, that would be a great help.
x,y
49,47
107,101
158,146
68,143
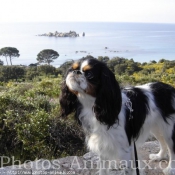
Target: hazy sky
x,y
159,11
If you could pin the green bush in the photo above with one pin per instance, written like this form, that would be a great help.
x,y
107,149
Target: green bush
x,y
30,126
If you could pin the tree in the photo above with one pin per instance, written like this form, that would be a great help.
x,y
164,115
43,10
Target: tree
x,y
115,61
31,72
1,63
120,69
64,67
162,60
11,73
47,56
153,61
46,69
9,52
33,65
103,59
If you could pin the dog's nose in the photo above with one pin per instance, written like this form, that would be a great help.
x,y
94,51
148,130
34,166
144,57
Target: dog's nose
x,y
77,72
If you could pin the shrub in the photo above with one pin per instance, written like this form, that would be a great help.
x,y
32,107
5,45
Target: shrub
x,y
30,126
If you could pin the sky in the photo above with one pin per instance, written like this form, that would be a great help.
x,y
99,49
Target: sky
x,y
146,11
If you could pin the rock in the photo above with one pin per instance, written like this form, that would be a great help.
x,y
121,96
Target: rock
x,y
50,34
57,34
83,51
86,165
61,35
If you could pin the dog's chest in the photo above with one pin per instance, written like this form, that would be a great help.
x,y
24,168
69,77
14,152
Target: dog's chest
x,y
108,143
100,139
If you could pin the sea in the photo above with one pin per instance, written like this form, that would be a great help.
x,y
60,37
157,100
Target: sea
x,y
142,42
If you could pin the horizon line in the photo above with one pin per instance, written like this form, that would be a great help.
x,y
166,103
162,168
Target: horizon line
x,y
13,22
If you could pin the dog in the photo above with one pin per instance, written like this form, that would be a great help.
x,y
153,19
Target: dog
x,y
105,111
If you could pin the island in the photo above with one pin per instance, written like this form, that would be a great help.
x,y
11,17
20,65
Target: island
x,y
60,34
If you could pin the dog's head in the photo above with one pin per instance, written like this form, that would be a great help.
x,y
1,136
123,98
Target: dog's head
x,y
92,77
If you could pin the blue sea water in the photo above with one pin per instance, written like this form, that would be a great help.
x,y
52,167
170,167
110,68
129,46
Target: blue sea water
x,y
141,41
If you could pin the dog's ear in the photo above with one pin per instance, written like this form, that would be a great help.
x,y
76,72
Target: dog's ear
x,y
108,100
68,101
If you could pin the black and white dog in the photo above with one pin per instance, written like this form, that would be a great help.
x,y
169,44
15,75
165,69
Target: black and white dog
x,y
92,92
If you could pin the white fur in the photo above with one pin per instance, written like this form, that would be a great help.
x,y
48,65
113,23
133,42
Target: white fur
x,y
85,63
76,82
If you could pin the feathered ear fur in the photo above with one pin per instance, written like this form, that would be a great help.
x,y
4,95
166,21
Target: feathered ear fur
x,y
68,101
108,100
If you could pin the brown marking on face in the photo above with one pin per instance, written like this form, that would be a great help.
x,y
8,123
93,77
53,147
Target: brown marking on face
x,y
91,90
75,66
74,92
87,67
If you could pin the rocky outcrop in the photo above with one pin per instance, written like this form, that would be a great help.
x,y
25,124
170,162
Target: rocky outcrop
x,y
86,165
60,34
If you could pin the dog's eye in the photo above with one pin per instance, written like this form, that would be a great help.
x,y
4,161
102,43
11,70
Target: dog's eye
x,y
89,75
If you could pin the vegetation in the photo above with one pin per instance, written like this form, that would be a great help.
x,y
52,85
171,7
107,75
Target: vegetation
x,y
47,56
9,52
30,125
129,72
11,73
26,73
1,63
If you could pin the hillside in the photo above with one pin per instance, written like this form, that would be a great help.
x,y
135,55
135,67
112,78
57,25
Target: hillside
x,y
31,127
